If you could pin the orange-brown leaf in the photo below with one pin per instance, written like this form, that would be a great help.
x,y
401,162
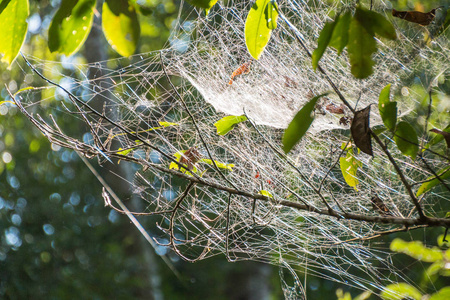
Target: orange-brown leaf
x,y
243,69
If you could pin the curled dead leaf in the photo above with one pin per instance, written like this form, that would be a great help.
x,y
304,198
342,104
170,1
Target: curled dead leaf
x,y
190,157
361,131
416,16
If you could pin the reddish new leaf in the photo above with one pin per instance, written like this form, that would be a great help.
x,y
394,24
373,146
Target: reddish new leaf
x,y
361,131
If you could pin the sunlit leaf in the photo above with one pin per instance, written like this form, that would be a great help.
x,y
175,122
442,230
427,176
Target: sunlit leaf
x,y
400,291
120,26
218,164
168,124
300,124
323,41
257,33
124,152
361,131
406,139
226,124
14,28
339,39
206,4
271,14
388,109
70,26
266,193
417,250
363,296
361,46
341,296
442,294
433,181
349,167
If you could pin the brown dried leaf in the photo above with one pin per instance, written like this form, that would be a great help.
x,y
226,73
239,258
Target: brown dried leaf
x,y
345,120
190,157
334,109
416,16
361,131
379,206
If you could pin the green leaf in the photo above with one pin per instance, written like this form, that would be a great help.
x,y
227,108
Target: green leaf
x,y
324,40
442,294
271,14
349,166
406,139
266,193
388,109
437,138
218,164
70,26
120,26
14,29
361,46
206,4
379,24
399,291
226,124
417,250
300,124
339,39
257,33
426,186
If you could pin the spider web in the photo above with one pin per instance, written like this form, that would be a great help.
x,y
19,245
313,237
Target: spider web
x,y
187,84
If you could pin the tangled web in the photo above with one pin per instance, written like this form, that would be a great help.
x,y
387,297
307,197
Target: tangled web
x,y
255,203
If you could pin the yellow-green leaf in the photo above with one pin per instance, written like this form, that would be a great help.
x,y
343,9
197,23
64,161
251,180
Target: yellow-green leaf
x,y
120,26
399,291
226,124
257,33
300,124
406,139
71,26
433,181
349,167
14,28
417,250
271,14
266,193
167,124
442,294
218,164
